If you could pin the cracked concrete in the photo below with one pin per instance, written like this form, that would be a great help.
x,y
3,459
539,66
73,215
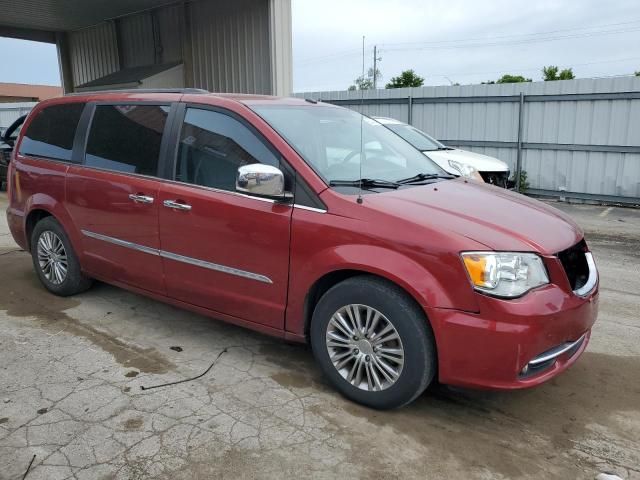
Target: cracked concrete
x,y
71,371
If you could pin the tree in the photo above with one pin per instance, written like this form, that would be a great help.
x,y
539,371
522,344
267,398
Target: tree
x,y
408,78
638,73
550,73
365,83
513,79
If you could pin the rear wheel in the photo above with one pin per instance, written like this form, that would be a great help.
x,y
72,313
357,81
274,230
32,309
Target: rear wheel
x,y
373,342
55,261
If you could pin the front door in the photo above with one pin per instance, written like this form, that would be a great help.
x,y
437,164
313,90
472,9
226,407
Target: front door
x,y
222,250
113,196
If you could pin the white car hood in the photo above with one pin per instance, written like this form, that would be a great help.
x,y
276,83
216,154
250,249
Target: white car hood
x,y
480,162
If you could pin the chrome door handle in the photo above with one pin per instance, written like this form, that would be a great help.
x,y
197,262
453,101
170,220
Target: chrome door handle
x,y
141,198
176,205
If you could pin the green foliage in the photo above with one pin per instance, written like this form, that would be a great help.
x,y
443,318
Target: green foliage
x,y
637,73
507,78
524,182
550,73
366,82
408,78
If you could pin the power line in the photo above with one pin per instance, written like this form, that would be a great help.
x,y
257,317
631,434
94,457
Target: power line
x,y
515,35
482,41
512,42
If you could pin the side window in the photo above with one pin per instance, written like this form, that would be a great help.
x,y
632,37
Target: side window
x,y
212,147
51,132
126,138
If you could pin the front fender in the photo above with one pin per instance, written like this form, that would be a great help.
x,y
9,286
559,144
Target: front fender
x,y
413,277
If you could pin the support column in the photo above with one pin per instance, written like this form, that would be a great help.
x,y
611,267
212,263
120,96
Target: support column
x,y
280,49
64,62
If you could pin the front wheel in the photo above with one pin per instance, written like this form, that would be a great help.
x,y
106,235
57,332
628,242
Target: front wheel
x,y
373,342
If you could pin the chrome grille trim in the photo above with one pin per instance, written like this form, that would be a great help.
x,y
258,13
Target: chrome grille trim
x,y
556,352
593,277
179,258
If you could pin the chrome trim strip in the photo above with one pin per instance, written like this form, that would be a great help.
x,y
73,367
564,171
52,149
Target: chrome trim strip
x,y
215,266
180,258
311,209
556,352
121,243
593,277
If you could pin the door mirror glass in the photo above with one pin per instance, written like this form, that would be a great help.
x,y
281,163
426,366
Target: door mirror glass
x,y
262,180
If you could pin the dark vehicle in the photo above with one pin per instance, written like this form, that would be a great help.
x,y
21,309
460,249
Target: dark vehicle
x,y
7,142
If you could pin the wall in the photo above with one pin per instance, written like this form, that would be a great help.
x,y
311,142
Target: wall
x,y
241,46
9,112
579,136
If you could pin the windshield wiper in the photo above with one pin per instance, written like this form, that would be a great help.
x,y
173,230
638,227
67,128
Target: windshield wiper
x,y
365,183
420,177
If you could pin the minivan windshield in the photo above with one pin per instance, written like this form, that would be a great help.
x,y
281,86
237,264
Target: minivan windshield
x,y
334,141
415,137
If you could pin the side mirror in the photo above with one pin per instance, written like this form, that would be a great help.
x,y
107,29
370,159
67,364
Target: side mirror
x,y
262,181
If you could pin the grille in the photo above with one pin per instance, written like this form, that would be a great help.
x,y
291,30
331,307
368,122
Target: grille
x,y
575,264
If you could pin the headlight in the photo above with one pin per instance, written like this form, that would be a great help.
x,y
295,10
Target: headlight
x,y
505,274
465,170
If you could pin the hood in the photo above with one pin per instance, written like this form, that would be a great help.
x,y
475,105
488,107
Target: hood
x,y
495,217
480,162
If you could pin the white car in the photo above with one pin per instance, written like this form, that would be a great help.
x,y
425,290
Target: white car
x,y
452,160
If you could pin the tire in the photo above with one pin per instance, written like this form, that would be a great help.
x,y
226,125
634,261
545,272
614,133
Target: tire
x,y
51,236
370,297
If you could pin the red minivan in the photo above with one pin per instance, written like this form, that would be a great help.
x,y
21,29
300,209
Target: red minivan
x,y
309,222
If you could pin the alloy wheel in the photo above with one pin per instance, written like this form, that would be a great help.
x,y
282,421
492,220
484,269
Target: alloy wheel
x,y
364,347
52,257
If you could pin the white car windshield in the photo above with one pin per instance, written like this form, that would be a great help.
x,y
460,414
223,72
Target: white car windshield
x,y
415,137
334,141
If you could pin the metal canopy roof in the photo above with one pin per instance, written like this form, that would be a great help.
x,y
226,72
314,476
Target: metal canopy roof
x,y
65,15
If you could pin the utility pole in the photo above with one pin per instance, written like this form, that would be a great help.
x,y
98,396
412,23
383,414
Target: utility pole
x,y
375,65
376,59
363,57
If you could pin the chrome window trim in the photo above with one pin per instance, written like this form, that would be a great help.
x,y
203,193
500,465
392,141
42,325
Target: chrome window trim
x,y
179,258
593,277
310,209
219,190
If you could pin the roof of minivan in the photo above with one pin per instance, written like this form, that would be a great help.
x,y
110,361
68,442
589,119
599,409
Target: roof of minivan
x,y
193,93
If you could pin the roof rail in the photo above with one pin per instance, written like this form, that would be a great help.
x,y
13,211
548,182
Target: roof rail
x,y
198,91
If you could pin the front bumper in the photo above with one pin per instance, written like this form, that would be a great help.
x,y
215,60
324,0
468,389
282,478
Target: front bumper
x,y
513,344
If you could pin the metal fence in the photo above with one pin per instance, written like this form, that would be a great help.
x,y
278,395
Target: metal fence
x,y
9,112
574,138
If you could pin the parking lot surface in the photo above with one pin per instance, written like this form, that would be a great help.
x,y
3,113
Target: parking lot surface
x,y
71,371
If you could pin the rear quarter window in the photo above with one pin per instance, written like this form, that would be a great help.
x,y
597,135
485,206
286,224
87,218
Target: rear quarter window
x,y
50,134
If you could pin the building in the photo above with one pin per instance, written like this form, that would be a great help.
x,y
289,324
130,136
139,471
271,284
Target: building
x,y
240,46
19,92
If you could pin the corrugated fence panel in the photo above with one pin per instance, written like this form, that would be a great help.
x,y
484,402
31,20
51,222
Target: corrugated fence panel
x,y
230,44
566,141
136,37
93,52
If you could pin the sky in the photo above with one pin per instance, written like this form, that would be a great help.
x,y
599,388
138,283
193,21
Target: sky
x,y
444,41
